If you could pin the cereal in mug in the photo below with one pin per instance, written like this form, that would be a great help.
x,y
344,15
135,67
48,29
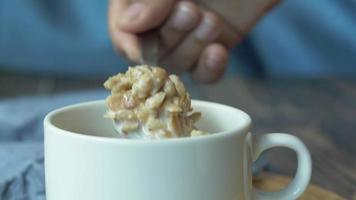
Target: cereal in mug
x,y
146,102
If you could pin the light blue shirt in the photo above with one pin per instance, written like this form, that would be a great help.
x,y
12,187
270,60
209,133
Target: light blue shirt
x,y
57,37
305,39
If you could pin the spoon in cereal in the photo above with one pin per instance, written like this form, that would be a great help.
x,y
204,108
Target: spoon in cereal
x,y
149,56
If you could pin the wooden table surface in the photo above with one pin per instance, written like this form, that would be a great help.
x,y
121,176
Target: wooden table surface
x,y
275,182
320,112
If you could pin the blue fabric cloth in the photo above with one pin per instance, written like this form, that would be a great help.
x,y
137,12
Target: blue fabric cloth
x,y
65,37
22,173
21,143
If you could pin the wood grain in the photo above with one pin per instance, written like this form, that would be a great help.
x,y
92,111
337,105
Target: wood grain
x,y
321,112
12,85
273,182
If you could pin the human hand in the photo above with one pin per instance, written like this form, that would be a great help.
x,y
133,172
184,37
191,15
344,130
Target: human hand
x,y
194,36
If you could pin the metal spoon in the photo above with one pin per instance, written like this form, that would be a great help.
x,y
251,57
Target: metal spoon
x,y
149,48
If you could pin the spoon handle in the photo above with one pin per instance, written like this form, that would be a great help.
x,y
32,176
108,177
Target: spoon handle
x,y
149,48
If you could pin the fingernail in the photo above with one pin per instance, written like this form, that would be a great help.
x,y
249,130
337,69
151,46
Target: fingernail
x,y
207,30
183,18
214,62
132,13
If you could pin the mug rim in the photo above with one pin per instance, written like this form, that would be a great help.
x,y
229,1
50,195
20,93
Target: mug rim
x,y
57,130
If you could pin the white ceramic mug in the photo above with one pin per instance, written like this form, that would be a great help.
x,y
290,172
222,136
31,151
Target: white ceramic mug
x,y
84,160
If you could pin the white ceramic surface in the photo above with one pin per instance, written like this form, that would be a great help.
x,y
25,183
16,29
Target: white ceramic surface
x,y
84,160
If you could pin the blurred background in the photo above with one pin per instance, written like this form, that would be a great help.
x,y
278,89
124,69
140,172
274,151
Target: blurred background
x,y
295,72
43,43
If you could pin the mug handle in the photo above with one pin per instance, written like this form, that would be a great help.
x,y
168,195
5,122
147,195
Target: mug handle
x,y
302,177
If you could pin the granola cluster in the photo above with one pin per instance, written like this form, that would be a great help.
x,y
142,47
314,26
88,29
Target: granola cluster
x,y
149,100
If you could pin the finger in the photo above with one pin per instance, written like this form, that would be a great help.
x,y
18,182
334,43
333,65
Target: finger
x,y
229,36
126,44
271,4
185,17
143,15
245,15
212,63
187,53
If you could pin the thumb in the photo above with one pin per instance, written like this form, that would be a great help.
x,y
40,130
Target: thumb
x,y
143,15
